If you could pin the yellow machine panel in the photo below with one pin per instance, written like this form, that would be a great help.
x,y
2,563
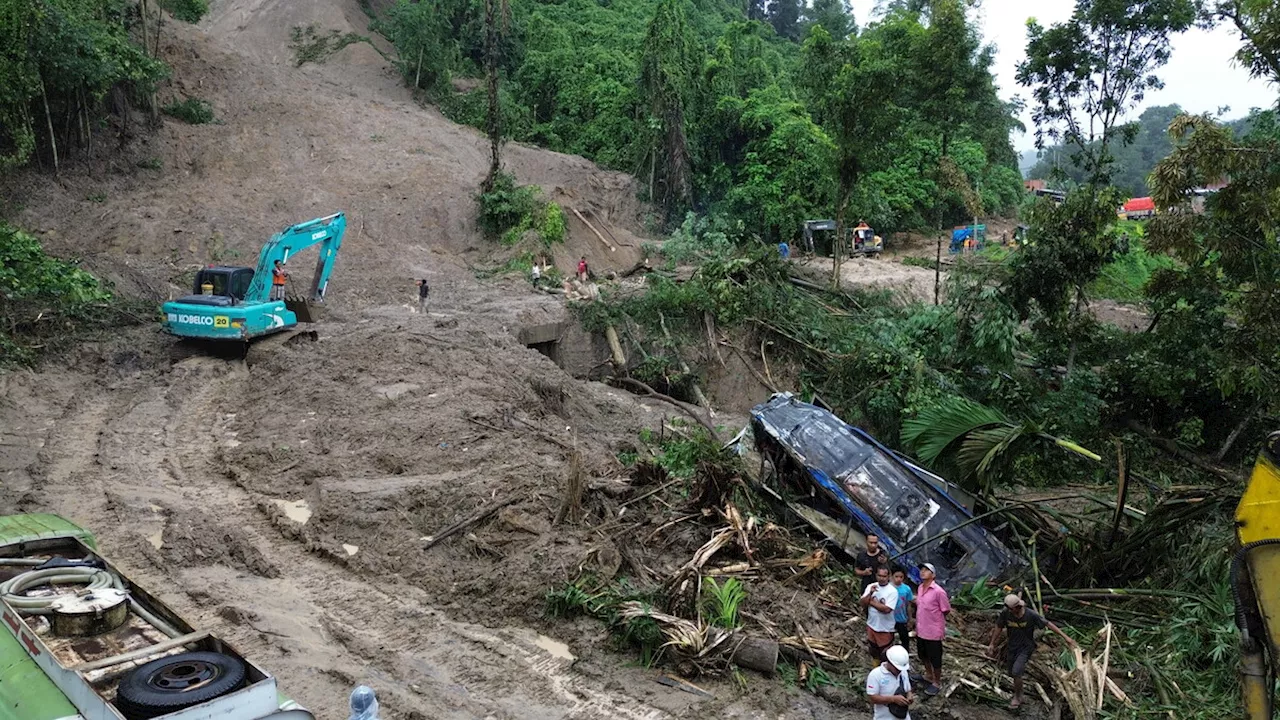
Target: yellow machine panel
x,y
1258,594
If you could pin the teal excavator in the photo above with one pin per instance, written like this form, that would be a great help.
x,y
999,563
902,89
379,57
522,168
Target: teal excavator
x,y
233,303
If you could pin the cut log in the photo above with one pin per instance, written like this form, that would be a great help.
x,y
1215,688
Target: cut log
x,y
642,265
431,540
619,357
759,654
594,230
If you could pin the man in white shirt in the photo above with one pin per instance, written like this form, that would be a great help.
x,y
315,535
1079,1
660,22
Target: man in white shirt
x,y
886,682
880,599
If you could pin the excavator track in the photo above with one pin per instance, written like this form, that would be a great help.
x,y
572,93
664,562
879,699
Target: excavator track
x,y
185,348
260,349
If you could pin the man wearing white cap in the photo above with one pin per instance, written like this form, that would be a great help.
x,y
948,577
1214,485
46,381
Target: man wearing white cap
x,y
889,686
1021,625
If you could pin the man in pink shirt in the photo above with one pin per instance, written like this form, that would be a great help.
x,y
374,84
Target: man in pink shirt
x,y
932,607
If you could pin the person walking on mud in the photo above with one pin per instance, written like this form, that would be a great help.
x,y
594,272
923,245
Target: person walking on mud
x,y
279,278
582,269
880,599
1020,624
423,291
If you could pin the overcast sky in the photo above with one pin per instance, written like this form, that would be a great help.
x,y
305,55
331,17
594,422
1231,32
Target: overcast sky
x,y
1201,76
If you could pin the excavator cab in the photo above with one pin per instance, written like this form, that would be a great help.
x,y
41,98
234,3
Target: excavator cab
x,y
220,286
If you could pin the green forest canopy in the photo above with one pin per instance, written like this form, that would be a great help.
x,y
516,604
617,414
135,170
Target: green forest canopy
x,y
746,142
61,59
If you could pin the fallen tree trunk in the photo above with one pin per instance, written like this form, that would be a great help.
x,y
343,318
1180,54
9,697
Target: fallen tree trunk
x,y
587,222
756,653
615,346
692,411
453,529
684,367
1172,448
642,265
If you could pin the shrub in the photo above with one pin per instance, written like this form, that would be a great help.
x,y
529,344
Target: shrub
x,y
40,296
192,110
552,228
508,210
309,45
186,10
505,206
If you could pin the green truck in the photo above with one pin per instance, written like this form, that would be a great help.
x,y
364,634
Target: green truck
x,y
81,641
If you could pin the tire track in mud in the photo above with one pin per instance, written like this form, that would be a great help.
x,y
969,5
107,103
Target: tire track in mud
x,y
150,454
77,458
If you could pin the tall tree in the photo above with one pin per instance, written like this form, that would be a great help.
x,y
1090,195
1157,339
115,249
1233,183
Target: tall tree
x,y
497,16
1258,22
668,83
952,76
1232,246
952,71
1087,73
784,16
851,86
58,61
833,15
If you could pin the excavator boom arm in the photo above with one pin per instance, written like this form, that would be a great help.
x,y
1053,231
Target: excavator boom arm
x,y
326,231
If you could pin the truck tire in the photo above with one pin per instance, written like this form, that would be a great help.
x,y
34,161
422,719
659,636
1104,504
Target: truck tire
x,y
176,682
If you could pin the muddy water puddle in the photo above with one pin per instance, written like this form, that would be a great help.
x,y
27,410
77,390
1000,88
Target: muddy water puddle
x,y
298,510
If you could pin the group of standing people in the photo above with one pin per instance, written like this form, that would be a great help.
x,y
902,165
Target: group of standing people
x,y
896,613
279,277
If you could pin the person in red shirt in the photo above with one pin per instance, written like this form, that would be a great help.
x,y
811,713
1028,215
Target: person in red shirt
x,y
582,269
932,608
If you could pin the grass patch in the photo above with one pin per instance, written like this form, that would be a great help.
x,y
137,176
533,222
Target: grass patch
x,y
309,44
152,163
680,456
192,111
918,262
1124,278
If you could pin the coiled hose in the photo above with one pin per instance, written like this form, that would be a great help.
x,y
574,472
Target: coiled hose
x,y
92,578
1237,565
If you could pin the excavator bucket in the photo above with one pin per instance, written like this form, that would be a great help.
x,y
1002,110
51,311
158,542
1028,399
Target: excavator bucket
x,y
305,310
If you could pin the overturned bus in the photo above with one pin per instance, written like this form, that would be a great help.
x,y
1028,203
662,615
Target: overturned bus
x,y
847,486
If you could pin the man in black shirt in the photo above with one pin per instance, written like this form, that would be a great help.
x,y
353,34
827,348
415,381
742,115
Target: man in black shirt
x,y
1020,624
869,560
423,291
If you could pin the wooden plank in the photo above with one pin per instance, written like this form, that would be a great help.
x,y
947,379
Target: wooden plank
x,y
156,649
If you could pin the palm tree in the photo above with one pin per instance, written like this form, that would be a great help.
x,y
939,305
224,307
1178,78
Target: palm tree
x,y
985,442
